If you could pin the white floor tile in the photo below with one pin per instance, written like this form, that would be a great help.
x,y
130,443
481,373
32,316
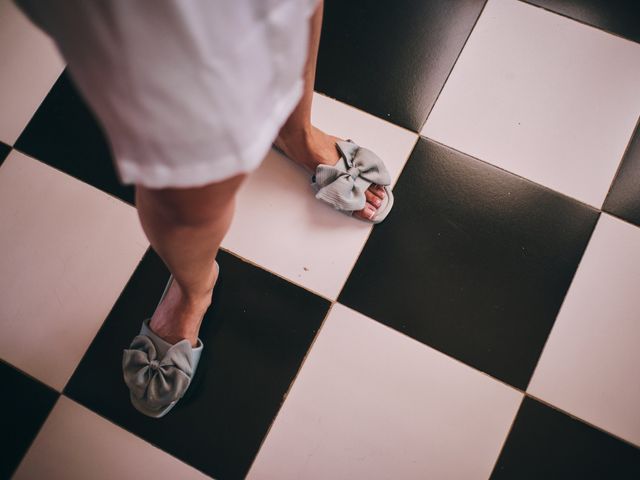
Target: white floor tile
x,y
542,96
280,225
372,403
67,253
76,443
29,66
590,366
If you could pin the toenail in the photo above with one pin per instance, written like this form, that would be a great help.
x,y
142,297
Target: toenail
x,y
370,213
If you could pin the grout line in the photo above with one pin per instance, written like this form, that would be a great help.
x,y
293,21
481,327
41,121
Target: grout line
x,y
364,112
131,432
524,393
502,169
440,352
46,95
435,101
506,437
272,272
97,189
26,452
41,383
617,217
28,375
577,20
104,320
634,134
583,421
2,159
564,299
366,240
581,202
293,381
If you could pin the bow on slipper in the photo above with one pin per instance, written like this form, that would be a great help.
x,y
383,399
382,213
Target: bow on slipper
x,y
344,184
157,373
155,381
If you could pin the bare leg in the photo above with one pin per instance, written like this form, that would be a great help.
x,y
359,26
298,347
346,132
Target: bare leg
x,y
185,227
304,143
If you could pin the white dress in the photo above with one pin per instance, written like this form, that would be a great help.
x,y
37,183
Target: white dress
x,y
189,92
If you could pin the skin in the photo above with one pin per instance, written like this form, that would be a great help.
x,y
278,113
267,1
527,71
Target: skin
x,y
307,145
186,226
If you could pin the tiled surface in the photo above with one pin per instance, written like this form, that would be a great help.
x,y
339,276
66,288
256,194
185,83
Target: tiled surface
x,y
591,364
454,296
4,151
64,134
76,443
320,251
77,247
372,403
24,406
255,339
392,58
544,97
544,443
623,200
487,258
29,65
616,16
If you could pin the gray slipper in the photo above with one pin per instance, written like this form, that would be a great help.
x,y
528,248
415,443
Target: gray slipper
x,y
158,373
344,184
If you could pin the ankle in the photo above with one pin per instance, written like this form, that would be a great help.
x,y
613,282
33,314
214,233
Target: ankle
x,y
200,297
195,301
298,134
180,318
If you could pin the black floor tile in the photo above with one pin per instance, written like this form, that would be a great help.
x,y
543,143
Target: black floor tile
x,y
4,151
547,444
24,406
473,261
255,339
624,197
621,17
64,134
392,58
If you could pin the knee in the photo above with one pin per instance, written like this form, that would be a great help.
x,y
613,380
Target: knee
x,y
187,213
189,207
198,207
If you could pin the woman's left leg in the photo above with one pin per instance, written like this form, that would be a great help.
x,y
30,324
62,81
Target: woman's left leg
x,y
307,145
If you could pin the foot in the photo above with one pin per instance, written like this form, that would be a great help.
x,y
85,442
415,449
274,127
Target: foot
x,y
179,316
313,148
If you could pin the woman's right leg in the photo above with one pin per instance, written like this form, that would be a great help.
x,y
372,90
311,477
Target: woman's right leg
x,y
185,227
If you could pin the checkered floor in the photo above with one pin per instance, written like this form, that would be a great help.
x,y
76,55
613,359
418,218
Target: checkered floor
x,y
489,328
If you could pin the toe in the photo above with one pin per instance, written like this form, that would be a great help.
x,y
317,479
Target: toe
x,y
367,213
378,191
373,199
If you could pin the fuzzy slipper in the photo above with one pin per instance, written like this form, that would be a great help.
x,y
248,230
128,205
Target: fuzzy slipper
x,y
344,184
158,373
